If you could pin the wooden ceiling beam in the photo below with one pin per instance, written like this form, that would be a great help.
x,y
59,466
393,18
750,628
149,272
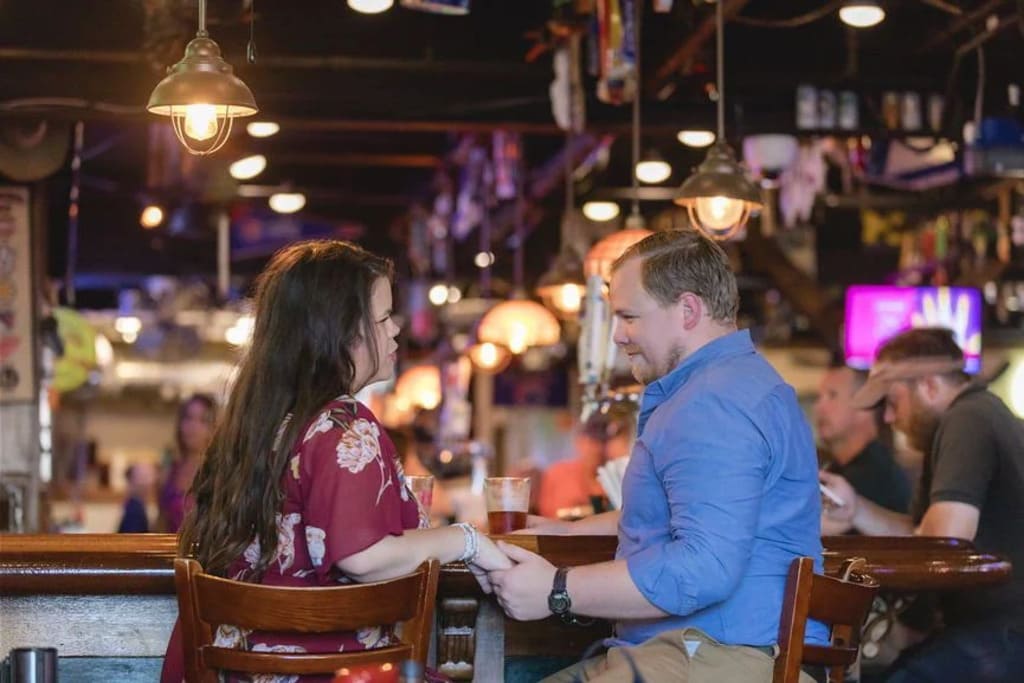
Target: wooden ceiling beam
x,y
358,159
684,53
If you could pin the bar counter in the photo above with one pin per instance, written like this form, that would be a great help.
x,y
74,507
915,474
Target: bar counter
x,y
106,601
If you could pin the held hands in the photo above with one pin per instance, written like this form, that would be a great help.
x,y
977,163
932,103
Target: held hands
x,y
488,559
837,519
522,590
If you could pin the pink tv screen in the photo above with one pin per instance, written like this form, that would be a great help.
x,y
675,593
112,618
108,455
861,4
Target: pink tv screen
x,y
876,312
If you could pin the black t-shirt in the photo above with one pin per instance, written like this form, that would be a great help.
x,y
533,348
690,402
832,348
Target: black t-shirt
x,y
874,474
977,458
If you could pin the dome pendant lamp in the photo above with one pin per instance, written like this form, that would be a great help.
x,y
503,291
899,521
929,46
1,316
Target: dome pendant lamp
x,y
719,196
202,95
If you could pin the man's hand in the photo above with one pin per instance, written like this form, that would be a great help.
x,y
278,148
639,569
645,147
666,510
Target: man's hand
x,y
522,591
488,559
838,515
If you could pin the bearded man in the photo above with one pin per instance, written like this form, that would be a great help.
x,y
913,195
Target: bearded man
x,y
971,487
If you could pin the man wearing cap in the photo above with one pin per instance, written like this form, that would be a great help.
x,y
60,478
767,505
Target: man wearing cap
x,y
971,487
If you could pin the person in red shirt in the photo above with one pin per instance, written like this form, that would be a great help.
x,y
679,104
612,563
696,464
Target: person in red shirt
x,y
301,485
569,487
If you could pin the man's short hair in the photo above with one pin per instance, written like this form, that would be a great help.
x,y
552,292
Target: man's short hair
x,y
925,342
860,377
679,261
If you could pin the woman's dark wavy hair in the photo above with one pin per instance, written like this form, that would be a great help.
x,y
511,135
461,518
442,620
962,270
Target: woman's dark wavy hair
x,y
312,305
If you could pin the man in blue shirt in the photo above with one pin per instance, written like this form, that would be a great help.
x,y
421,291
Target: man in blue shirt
x,y
719,497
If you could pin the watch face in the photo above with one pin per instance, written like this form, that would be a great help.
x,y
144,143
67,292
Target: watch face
x,y
558,603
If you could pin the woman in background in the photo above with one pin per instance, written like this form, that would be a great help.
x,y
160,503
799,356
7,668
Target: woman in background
x,y
193,432
301,485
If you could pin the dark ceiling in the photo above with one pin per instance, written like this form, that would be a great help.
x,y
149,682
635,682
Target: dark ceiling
x,y
372,106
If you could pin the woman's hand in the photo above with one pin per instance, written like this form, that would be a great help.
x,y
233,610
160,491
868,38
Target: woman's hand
x,y
488,559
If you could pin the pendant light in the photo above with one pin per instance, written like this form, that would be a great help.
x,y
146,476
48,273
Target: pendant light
x,y
719,196
202,95
561,288
487,357
519,324
653,168
861,13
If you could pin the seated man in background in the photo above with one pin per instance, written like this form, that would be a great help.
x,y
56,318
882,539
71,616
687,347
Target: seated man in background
x,y
851,438
972,487
571,485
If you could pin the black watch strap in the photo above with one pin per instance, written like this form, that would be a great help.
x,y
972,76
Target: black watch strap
x,y
560,579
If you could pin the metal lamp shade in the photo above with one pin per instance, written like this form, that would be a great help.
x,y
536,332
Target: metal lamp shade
x,y
719,176
202,77
561,288
602,255
519,324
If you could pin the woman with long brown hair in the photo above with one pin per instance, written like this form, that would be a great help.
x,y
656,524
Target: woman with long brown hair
x,y
301,485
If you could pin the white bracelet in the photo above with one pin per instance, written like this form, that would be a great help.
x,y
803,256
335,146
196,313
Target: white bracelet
x,y
472,538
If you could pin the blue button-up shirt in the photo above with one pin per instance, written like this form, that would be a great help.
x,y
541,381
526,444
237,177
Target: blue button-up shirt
x,y
721,494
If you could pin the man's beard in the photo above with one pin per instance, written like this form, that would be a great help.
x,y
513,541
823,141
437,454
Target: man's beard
x,y
924,422
648,372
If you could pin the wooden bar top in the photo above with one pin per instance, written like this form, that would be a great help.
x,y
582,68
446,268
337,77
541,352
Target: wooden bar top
x,y
100,564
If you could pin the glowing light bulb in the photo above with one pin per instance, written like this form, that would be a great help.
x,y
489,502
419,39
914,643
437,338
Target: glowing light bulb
x,y
569,298
518,337
438,294
719,213
370,6
262,129
488,355
653,171
600,211
151,216
861,14
201,121
287,202
695,138
248,167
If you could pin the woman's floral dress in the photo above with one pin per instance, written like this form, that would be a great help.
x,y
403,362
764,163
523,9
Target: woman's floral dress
x,y
344,491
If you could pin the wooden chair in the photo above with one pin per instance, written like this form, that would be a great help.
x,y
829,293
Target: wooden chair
x,y
841,603
206,601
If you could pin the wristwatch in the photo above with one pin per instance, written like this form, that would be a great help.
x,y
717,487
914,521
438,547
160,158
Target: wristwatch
x,y
558,599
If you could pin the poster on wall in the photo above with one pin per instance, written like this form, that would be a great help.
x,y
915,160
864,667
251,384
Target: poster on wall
x,y
17,378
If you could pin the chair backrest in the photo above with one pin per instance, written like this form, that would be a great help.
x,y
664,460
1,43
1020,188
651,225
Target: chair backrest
x,y
842,603
206,601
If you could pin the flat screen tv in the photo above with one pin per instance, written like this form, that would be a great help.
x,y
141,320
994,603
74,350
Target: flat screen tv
x,y
876,312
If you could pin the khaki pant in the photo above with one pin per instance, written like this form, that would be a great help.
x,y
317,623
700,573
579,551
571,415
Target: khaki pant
x,y
665,659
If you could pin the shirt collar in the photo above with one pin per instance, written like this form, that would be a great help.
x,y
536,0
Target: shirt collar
x,y
655,393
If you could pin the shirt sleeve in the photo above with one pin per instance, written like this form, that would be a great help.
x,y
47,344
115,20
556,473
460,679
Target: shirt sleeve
x,y
965,458
713,465
351,494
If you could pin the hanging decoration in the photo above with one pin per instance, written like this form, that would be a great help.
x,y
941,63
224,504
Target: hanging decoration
x,y
613,33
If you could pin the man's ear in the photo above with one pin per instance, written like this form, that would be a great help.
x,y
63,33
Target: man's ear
x,y
691,309
930,388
